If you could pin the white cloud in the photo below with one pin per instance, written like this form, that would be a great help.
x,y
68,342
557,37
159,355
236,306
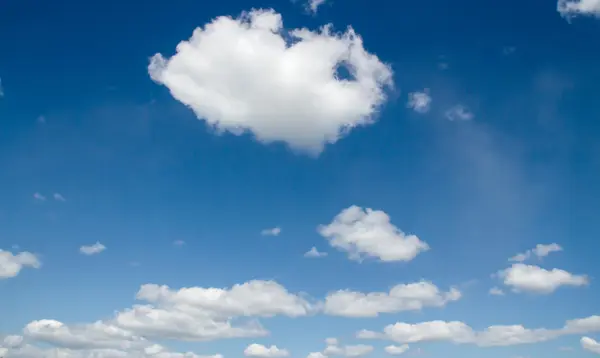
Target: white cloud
x,y
404,297
58,197
573,8
12,341
92,249
331,341
459,113
396,350
314,253
357,350
39,197
250,75
316,355
540,251
271,232
529,278
258,350
11,265
590,345
420,102
495,291
313,5
461,333
366,232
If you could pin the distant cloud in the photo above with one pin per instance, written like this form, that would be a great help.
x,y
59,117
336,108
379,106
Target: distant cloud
x,y
495,291
396,350
271,232
459,113
58,197
420,102
92,249
572,8
38,196
178,243
258,350
313,5
534,279
314,253
590,345
540,251
11,265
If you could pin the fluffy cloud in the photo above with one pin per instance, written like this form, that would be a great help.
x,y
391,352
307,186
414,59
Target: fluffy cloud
x,y
529,278
461,333
314,253
92,249
313,5
590,345
420,102
404,297
250,75
258,350
357,350
11,265
271,232
459,113
572,8
369,233
396,350
539,251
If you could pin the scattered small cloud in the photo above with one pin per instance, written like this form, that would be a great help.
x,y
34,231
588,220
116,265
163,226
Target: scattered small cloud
x,y
12,264
540,251
313,5
420,102
58,197
271,232
39,197
178,243
459,113
573,8
314,253
396,350
495,291
92,249
258,350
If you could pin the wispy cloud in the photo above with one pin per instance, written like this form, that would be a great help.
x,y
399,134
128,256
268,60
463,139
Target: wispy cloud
x,y
313,5
92,249
39,197
459,113
314,253
178,243
271,232
58,197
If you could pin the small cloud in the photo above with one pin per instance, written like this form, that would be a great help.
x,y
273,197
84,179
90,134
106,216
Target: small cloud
x,y
495,291
313,5
179,243
39,197
314,253
271,232
572,8
508,50
459,113
92,249
420,102
1,89
58,197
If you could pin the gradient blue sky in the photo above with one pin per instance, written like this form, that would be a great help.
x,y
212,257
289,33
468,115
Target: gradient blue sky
x,y
80,116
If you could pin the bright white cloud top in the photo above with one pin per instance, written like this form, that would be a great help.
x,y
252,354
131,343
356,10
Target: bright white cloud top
x,y
420,102
244,75
258,350
572,8
534,279
590,345
12,264
366,233
93,249
540,251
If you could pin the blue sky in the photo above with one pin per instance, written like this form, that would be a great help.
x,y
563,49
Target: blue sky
x,y
418,153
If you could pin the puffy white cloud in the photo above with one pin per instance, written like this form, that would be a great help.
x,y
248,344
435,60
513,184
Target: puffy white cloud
x,y
539,251
313,5
529,278
58,197
316,355
314,253
590,345
459,113
403,297
155,351
495,291
357,350
258,350
248,74
92,249
420,102
369,233
572,8
11,265
396,350
39,197
459,332
271,232
12,341
331,341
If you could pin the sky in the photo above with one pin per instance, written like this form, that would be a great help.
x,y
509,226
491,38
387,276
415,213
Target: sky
x,y
276,178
